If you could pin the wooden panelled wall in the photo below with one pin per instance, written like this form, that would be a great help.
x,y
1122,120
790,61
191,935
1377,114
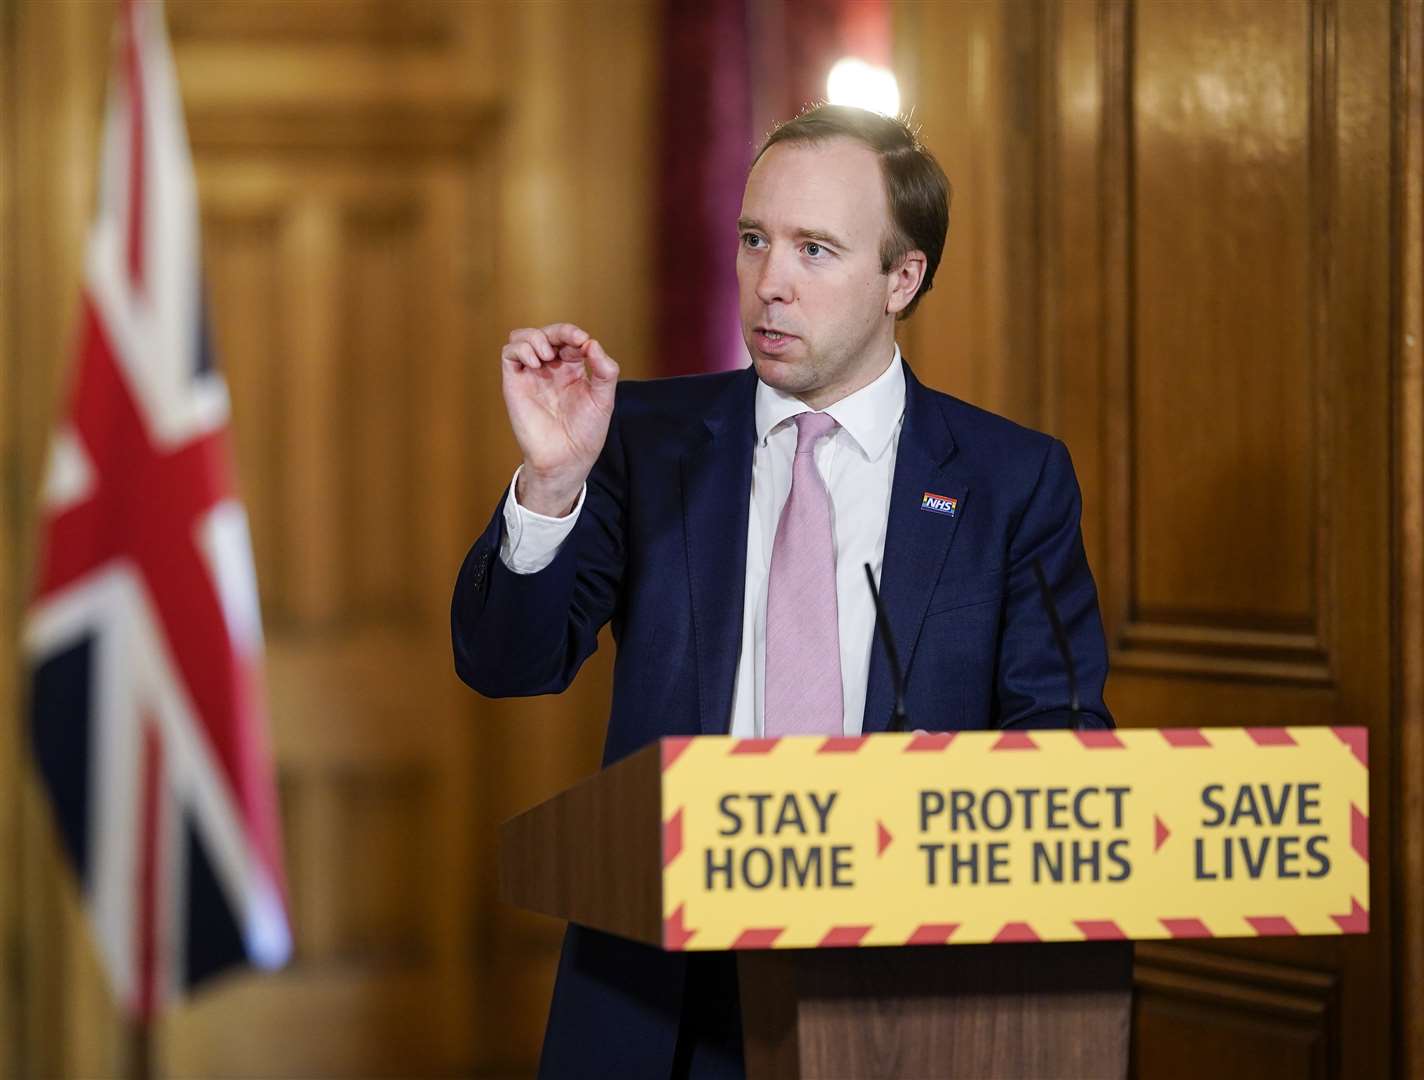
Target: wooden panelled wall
x,y
9,578
1187,239
387,187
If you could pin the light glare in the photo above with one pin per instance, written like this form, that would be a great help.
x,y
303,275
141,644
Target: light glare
x,y
865,86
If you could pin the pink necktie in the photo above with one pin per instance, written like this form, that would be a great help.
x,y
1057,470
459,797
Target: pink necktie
x,y
803,651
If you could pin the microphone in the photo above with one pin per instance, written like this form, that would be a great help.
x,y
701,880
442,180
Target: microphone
x,y
1059,635
898,720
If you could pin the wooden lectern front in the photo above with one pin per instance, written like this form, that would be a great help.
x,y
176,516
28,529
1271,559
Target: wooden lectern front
x,y
598,854
954,903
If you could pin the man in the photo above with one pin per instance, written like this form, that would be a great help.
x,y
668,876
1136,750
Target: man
x,y
721,523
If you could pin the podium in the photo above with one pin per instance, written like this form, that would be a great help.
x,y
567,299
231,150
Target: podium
x,y
594,855
953,904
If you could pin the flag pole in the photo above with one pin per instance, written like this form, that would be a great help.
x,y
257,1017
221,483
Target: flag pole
x,y
140,1050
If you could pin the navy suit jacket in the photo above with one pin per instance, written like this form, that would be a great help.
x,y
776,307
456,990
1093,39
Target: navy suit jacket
x,y
659,551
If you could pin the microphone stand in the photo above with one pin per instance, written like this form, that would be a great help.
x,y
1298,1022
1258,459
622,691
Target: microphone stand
x,y
898,720
1059,634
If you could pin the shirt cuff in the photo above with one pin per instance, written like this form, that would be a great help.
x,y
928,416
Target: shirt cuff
x,y
532,540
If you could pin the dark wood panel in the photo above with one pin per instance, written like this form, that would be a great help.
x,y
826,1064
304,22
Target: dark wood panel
x,y
1224,501
1213,223
1409,528
1052,1010
1185,1039
976,334
1216,316
383,865
1260,1018
381,388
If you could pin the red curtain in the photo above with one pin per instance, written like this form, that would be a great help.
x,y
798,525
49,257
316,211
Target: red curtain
x,y
731,69
706,148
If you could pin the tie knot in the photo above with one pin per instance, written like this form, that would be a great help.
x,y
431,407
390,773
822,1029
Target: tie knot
x,y
811,426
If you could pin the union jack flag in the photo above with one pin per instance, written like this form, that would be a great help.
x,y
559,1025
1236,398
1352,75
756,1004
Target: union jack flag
x,y
144,637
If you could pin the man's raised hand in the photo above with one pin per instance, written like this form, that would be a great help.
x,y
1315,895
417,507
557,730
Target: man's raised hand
x,y
558,388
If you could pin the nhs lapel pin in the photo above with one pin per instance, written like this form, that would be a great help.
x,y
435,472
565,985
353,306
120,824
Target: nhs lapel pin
x,y
939,504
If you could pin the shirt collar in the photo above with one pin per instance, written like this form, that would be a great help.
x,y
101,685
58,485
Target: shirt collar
x,y
868,416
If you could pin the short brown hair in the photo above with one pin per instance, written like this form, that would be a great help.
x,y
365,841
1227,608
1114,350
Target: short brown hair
x,y
916,186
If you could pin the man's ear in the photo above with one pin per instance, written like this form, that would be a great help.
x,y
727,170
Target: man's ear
x,y
905,278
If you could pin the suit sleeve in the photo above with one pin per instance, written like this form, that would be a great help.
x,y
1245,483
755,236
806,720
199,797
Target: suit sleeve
x,y
516,635
1032,684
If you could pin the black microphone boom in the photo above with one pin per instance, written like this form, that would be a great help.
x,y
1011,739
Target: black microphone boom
x,y
898,720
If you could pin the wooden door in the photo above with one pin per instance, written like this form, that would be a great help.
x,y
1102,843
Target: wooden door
x,y
343,327
377,214
1182,232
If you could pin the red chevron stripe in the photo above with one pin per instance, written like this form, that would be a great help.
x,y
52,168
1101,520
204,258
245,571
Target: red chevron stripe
x,y
1015,931
673,748
839,937
1186,928
1099,740
1015,740
754,746
676,935
1179,738
1359,832
1100,930
929,740
1358,740
1270,736
758,937
1356,922
932,933
672,837
1272,925
842,744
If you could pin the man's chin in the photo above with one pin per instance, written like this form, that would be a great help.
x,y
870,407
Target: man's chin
x,y
780,373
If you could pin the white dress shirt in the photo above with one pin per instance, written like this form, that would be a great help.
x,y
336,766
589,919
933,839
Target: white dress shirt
x,y
857,463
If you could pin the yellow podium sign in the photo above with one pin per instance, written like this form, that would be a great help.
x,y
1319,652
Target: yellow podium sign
x,y
949,838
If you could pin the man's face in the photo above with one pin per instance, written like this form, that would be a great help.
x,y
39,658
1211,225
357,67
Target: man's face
x,y
814,303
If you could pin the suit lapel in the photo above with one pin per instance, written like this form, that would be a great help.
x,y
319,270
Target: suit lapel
x,y
716,494
916,540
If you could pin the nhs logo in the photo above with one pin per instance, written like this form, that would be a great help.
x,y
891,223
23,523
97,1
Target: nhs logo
x,y
939,504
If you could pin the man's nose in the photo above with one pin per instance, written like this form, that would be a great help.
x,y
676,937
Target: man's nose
x,y
775,283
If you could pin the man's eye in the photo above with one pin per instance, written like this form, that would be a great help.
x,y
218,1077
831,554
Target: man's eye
x,y
813,249
751,240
